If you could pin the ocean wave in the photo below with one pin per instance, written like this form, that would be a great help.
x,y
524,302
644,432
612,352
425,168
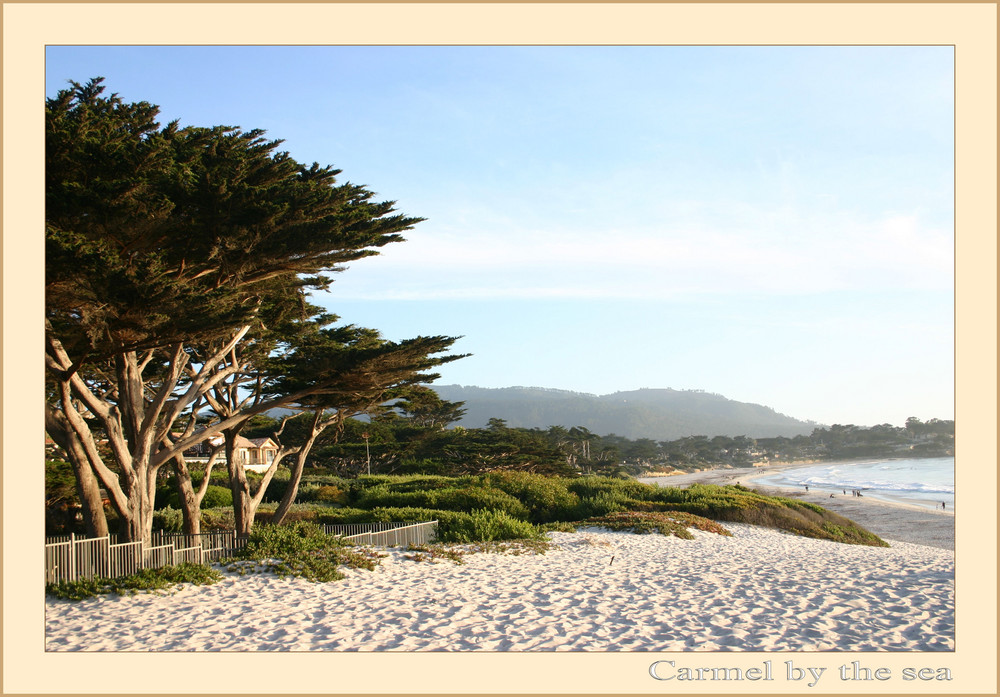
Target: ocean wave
x,y
882,485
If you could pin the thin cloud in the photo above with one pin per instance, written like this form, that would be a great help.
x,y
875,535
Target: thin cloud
x,y
814,256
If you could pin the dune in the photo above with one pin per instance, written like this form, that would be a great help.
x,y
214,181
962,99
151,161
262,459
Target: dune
x,y
596,590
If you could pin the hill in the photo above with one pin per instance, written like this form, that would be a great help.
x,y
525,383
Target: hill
x,y
659,414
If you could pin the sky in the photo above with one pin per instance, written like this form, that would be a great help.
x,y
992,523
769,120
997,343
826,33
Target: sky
x,y
772,224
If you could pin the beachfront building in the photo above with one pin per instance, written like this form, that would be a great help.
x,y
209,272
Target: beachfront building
x,y
255,454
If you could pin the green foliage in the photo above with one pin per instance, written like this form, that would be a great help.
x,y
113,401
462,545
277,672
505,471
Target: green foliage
x,y
480,498
559,526
738,504
217,497
602,503
217,519
303,550
622,489
146,580
451,499
486,525
225,217
547,498
60,483
505,505
331,494
456,553
169,519
435,553
666,523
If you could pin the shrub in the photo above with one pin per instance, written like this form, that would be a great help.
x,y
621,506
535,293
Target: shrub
x,y
381,496
547,498
303,550
169,519
146,580
217,497
486,525
465,498
591,486
331,494
421,483
479,498
217,519
666,523
602,503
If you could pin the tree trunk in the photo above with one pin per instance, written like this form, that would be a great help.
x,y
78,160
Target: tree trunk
x,y
190,503
243,512
87,487
91,504
189,498
293,486
300,462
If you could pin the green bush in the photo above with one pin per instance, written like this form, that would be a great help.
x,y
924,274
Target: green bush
x,y
302,550
547,498
330,493
217,519
420,483
382,496
168,519
217,497
146,580
623,489
454,526
465,498
472,498
667,523
487,525
558,526
602,503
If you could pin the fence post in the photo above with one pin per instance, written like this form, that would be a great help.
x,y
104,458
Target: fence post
x,y
107,555
72,556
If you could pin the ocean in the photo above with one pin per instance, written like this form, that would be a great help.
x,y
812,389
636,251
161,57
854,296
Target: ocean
x,y
922,481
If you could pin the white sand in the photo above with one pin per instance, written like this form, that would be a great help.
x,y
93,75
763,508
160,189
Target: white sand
x,y
759,590
889,520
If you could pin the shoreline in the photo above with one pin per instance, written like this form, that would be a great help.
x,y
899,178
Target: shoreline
x,y
890,520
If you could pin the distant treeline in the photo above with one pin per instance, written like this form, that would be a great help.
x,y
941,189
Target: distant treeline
x,y
402,444
411,443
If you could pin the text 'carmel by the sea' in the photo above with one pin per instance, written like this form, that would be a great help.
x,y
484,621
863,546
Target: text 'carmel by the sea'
x,y
854,671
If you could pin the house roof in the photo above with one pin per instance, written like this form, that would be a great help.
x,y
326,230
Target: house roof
x,y
241,441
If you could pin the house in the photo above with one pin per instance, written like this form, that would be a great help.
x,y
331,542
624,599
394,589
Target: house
x,y
256,454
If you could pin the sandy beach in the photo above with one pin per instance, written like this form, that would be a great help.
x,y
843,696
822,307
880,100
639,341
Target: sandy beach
x,y
759,590
890,521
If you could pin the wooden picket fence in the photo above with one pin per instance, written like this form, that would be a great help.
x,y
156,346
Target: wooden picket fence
x,y
71,558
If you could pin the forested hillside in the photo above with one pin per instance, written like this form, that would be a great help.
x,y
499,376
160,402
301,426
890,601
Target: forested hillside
x,y
661,414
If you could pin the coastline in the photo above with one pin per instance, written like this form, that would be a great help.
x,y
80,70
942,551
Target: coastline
x,y
596,590
890,520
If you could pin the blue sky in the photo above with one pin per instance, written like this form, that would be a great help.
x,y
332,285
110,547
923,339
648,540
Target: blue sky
x,y
774,224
